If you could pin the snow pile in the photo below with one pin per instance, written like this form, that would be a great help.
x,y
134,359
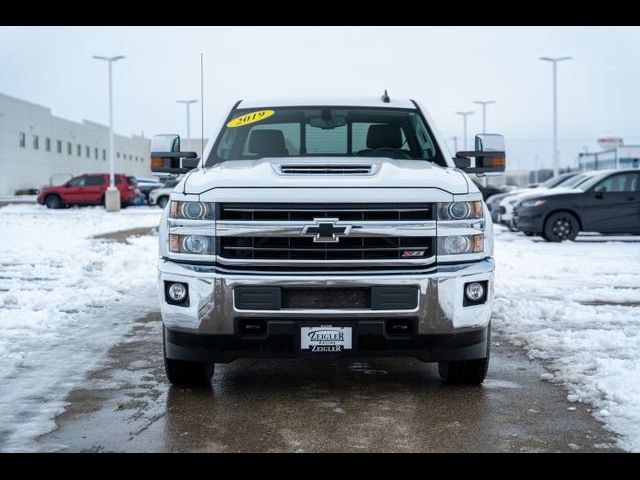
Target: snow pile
x,y
576,305
65,299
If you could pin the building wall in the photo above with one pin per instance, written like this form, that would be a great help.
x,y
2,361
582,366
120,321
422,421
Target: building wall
x,y
24,166
621,157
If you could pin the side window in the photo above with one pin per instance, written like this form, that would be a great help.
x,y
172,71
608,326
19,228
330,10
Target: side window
x,y
93,181
290,131
330,141
627,182
76,182
118,180
23,140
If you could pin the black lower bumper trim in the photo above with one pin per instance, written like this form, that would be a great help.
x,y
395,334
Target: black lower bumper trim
x,y
370,339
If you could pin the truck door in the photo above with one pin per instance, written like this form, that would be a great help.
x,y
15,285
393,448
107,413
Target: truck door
x,y
613,205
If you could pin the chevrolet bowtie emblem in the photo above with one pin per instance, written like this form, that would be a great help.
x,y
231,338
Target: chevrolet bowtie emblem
x,y
325,230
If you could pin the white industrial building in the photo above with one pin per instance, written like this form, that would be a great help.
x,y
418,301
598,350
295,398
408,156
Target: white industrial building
x,y
625,156
37,148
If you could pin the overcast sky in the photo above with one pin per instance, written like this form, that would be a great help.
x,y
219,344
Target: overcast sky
x,y
446,68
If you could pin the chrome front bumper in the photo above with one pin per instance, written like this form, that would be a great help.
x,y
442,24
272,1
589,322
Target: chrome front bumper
x,y
212,311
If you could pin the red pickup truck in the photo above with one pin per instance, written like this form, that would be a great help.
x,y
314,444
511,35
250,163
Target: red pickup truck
x,y
88,189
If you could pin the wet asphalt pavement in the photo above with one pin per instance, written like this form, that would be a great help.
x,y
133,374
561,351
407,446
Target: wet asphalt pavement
x,y
316,405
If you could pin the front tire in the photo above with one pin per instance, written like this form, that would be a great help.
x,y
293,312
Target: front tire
x,y
162,202
466,372
561,226
53,201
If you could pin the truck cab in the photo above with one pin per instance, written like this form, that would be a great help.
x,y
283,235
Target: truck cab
x,y
326,227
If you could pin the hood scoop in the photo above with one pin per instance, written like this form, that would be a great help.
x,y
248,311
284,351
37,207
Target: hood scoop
x,y
325,168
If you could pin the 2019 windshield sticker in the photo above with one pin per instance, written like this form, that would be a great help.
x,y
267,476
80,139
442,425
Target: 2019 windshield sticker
x,y
248,118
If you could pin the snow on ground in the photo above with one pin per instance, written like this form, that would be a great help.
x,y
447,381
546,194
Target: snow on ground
x,y
576,306
65,299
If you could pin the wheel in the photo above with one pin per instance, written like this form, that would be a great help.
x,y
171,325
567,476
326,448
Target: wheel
x,y
561,226
511,226
162,202
53,201
180,372
466,372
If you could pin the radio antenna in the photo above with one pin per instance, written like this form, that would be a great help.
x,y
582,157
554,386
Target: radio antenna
x,y
201,105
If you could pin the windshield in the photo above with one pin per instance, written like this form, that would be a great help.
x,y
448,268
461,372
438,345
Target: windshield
x,y
325,132
555,181
574,181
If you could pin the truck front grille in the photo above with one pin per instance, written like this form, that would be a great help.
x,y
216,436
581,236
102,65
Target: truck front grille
x,y
310,211
304,248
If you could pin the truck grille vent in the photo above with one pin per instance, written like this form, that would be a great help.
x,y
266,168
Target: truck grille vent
x,y
303,248
335,169
310,211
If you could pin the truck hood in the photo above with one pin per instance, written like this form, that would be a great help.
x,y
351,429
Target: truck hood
x,y
266,172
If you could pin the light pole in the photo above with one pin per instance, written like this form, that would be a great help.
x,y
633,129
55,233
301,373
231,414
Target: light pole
x,y
464,126
484,104
111,196
555,60
188,103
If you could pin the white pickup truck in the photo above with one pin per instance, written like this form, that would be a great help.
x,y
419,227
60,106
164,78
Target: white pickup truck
x,y
326,228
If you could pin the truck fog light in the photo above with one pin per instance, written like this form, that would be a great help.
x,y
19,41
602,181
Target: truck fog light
x,y
177,292
474,291
456,244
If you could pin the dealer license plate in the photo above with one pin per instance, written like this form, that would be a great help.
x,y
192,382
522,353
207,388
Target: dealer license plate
x,y
325,338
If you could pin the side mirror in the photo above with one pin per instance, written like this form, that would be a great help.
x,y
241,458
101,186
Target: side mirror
x,y
167,159
489,155
599,191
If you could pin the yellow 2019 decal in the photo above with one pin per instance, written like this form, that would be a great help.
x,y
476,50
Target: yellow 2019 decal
x,y
248,118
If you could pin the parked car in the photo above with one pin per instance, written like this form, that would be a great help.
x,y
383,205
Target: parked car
x,y
493,202
160,196
147,185
607,202
488,191
326,229
88,189
507,203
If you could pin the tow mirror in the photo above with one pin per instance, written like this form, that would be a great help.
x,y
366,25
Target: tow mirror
x,y
489,155
167,159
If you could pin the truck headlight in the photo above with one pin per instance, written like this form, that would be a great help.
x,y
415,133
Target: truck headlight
x,y
192,210
460,244
460,210
192,244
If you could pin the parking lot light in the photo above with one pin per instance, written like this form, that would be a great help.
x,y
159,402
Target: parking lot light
x,y
112,196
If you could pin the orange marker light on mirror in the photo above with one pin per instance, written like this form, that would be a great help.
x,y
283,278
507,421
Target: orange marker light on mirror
x,y
157,162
